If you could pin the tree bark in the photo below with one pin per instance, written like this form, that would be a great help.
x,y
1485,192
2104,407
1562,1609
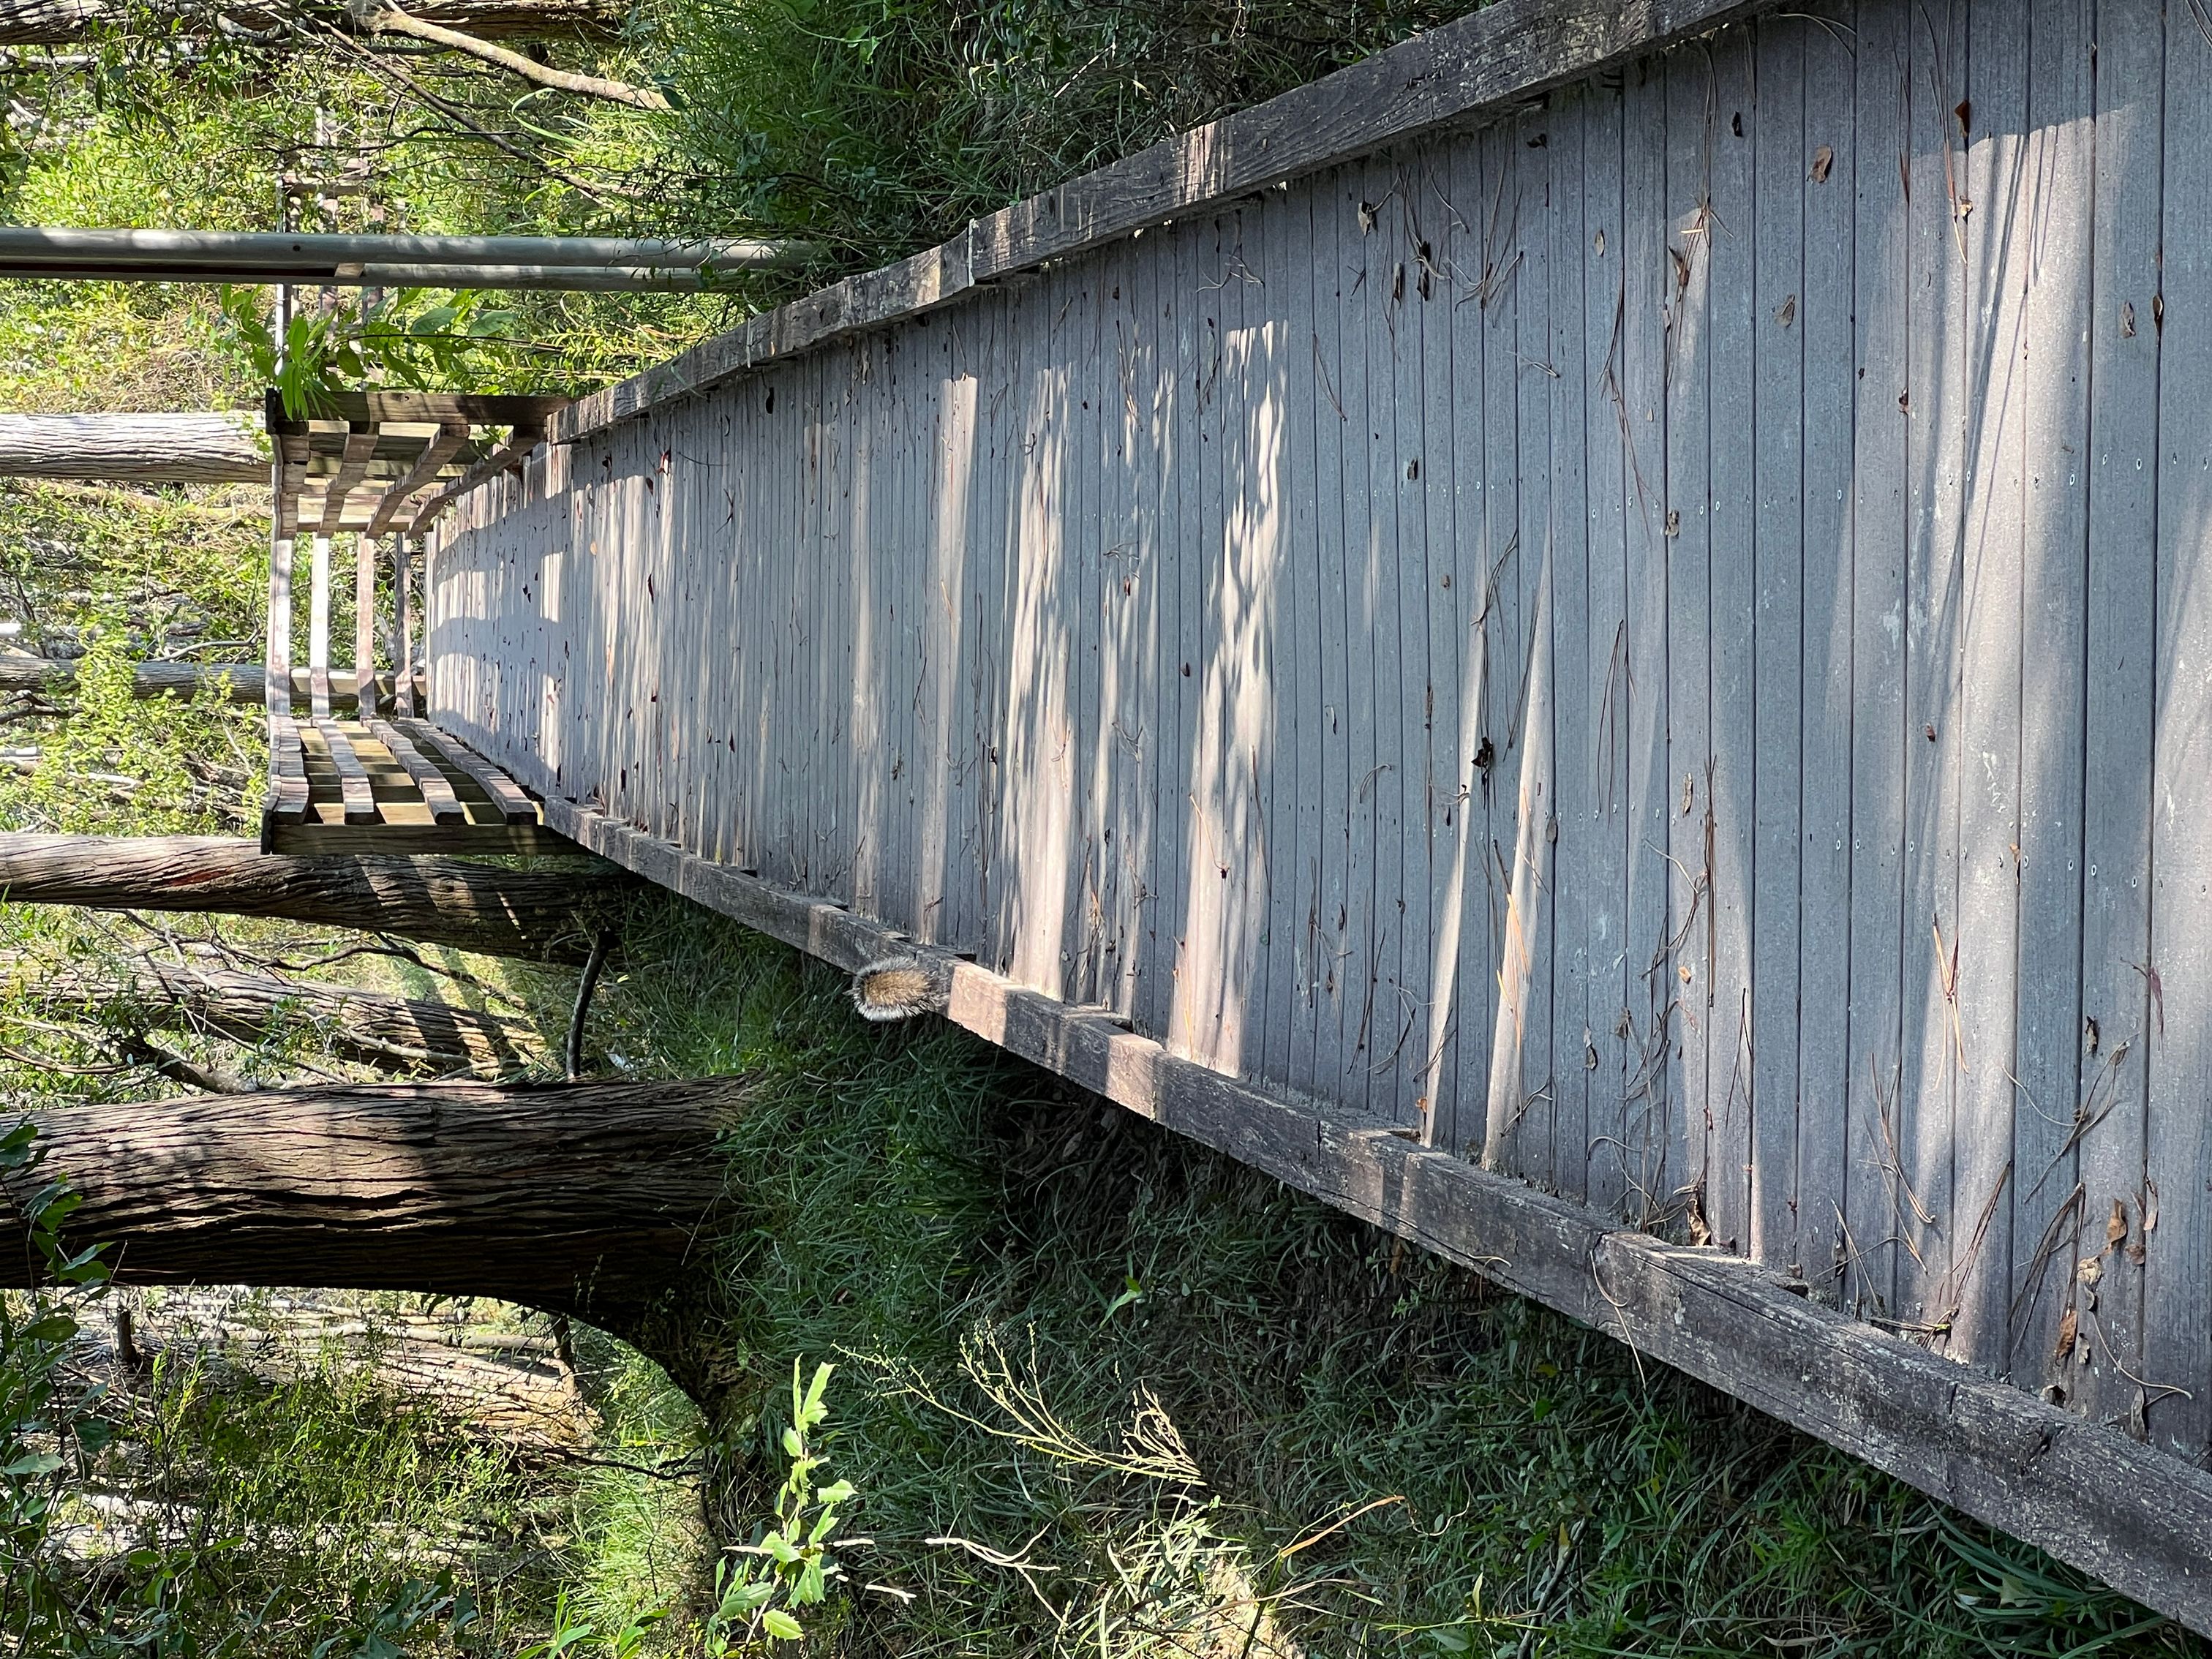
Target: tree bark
x,y
241,683
400,1034
209,448
548,915
68,22
599,1201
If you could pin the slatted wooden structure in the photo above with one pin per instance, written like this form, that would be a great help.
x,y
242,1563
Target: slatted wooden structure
x,y
380,465
1588,638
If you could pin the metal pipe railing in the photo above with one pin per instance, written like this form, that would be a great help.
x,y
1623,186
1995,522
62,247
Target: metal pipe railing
x,y
372,261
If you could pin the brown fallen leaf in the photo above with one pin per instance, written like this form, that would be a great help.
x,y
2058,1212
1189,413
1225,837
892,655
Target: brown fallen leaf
x,y
2068,1326
1823,159
1787,313
2127,319
2115,1229
2090,1269
1681,267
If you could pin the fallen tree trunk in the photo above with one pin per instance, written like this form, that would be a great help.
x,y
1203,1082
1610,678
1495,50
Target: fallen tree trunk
x,y
67,22
241,683
595,1199
400,1034
209,448
547,916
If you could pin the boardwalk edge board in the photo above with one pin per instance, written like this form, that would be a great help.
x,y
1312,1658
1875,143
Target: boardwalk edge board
x,y
1481,64
2138,1519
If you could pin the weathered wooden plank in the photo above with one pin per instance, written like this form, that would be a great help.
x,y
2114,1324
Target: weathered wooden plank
x,y
1577,281
1752,665
353,466
1440,242
2056,239
1976,1287
2142,1522
1607,435
1520,1051
1386,539
437,794
1650,1021
1876,1203
514,806
1684,977
1761,1052
2177,1321
440,448
1339,444
2107,1115
1828,1158
1938,416
353,777
1504,53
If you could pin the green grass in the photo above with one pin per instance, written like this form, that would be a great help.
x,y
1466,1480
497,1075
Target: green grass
x,y
1040,1306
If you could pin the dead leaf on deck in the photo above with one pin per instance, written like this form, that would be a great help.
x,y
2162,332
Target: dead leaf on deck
x,y
1823,159
2090,1270
2127,319
2067,1328
1787,312
2115,1229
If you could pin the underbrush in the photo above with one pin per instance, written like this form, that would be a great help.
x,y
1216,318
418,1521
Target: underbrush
x,y
1104,1391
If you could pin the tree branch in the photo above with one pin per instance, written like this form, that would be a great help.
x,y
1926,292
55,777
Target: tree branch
x,y
390,19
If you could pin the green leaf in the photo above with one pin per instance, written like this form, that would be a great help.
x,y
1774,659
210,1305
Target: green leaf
x,y
32,1463
780,1625
54,1328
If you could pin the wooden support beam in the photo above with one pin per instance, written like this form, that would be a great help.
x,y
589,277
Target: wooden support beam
x,y
403,616
292,455
318,629
2139,1519
364,621
441,448
514,806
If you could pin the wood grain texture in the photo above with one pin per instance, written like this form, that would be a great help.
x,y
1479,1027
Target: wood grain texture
x,y
1646,644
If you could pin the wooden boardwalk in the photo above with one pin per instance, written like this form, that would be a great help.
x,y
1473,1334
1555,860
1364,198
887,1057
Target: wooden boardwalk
x,y
1646,630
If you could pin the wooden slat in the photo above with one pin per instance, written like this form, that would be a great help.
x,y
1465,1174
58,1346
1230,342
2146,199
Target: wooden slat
x,y
364,621
353,777
403,625
437,794
1758,843
2177,1320
1647,1023
287,800
515,806
2110,1110
2059,166
1577,282
1607,430
1876,1202
1751,665
289,441
1829,1151
359,446
481,408
318,629
439,449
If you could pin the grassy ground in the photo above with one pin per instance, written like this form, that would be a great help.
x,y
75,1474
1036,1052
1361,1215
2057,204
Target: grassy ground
x,y
1104,1391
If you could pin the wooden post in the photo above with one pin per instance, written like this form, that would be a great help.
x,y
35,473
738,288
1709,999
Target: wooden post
x,y
318,630
364,626
403,623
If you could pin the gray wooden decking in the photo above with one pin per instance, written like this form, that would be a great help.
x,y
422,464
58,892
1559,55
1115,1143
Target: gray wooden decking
x,y
1658,640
